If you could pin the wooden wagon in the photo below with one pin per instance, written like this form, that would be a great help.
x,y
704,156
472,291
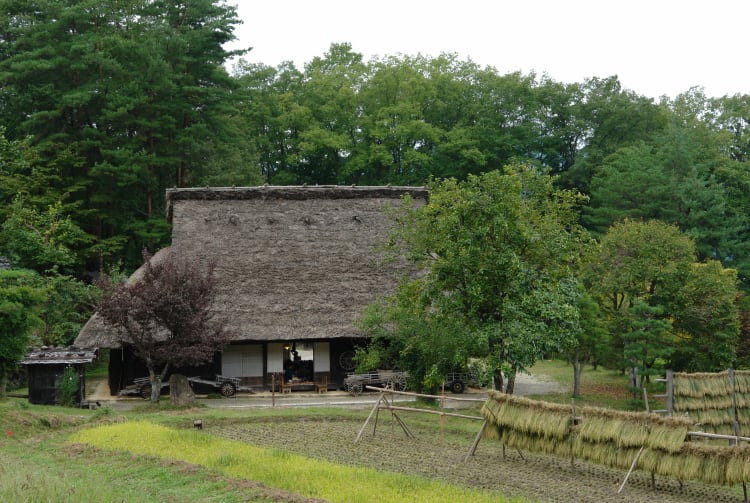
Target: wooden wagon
x,y
393,379
141,386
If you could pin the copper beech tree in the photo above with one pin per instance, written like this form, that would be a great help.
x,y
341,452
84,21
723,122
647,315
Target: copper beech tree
x,y
163,313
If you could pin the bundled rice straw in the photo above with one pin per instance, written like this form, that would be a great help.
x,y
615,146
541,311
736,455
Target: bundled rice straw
x,y
548,420
667,438
614,438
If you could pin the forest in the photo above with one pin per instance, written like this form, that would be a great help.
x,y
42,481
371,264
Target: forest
x,y
105,104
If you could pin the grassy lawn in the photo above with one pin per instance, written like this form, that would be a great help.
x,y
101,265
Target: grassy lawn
x,y
599,387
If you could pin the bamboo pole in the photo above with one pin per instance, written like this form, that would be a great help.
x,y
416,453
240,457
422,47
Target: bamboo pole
x,y
632,467
442,416
572,422
736,425
437,412
670,393
717,436
475,444
422,395
375,407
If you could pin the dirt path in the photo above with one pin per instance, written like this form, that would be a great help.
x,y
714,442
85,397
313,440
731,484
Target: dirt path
x,y
98,391
531,384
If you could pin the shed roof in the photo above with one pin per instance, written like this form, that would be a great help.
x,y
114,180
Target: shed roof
x,y
291,262
59,356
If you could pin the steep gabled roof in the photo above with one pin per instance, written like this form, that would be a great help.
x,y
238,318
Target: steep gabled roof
x,y
291,262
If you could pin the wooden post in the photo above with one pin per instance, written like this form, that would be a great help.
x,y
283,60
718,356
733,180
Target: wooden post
x,y
359,435
670,393
632,467
474,445
442,416
572,422
273,390
736,424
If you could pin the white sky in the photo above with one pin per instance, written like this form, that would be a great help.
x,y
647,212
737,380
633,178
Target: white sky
x,y
656,47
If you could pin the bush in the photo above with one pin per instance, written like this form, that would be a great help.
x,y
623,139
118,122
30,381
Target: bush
x,y
67,388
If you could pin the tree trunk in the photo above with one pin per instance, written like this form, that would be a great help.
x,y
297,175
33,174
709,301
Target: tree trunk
x,y
3,386
155,380
511,384
577,370
497,380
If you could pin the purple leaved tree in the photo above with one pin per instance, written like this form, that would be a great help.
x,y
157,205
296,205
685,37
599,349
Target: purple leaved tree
x,y
163,313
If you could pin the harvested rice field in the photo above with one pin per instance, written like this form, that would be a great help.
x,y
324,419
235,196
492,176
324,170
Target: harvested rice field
x,y
537,477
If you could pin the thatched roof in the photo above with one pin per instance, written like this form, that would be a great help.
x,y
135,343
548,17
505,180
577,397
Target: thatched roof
x,y
291,262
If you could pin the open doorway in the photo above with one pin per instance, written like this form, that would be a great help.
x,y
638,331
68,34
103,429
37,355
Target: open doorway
x,y
298,362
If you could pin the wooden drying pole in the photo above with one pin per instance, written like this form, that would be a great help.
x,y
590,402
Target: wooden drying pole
x,y
384,403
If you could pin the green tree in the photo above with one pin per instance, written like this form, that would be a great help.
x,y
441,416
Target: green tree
x,y
123,99
706,319
646,279
638,262
647,344
612,118
42,241
497,251
18,302
592,341
68,304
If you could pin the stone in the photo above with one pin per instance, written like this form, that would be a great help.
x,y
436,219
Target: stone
x,y
180,391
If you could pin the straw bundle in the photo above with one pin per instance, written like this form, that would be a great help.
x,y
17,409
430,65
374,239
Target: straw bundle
x,y
707,402
492,432
606,454
667,438
702,384
617,431
614,438
743,416
681,466
713,418
547,420
535,443
738,465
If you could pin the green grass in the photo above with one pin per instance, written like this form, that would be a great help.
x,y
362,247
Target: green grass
x,y
36,465
599,387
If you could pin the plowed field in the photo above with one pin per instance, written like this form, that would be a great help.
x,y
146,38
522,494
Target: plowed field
x,y
535,476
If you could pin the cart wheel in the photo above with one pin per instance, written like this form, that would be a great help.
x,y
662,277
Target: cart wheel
x,y
145,391
457,386
398,383
228,388
355,388
346,361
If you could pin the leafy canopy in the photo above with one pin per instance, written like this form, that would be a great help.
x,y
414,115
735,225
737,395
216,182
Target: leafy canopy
x,y
18,302
497,253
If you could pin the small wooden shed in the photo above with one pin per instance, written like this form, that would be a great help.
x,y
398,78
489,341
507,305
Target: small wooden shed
x,y
46,366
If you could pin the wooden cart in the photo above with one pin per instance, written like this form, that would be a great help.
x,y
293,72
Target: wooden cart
x,y
393,379
141,386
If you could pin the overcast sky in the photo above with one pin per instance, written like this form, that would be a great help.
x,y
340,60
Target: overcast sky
x,y
656,47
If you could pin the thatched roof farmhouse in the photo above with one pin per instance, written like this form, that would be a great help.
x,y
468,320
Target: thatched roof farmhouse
x,y
295,267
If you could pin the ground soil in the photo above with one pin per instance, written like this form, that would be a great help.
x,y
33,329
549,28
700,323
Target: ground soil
x,y
537,477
